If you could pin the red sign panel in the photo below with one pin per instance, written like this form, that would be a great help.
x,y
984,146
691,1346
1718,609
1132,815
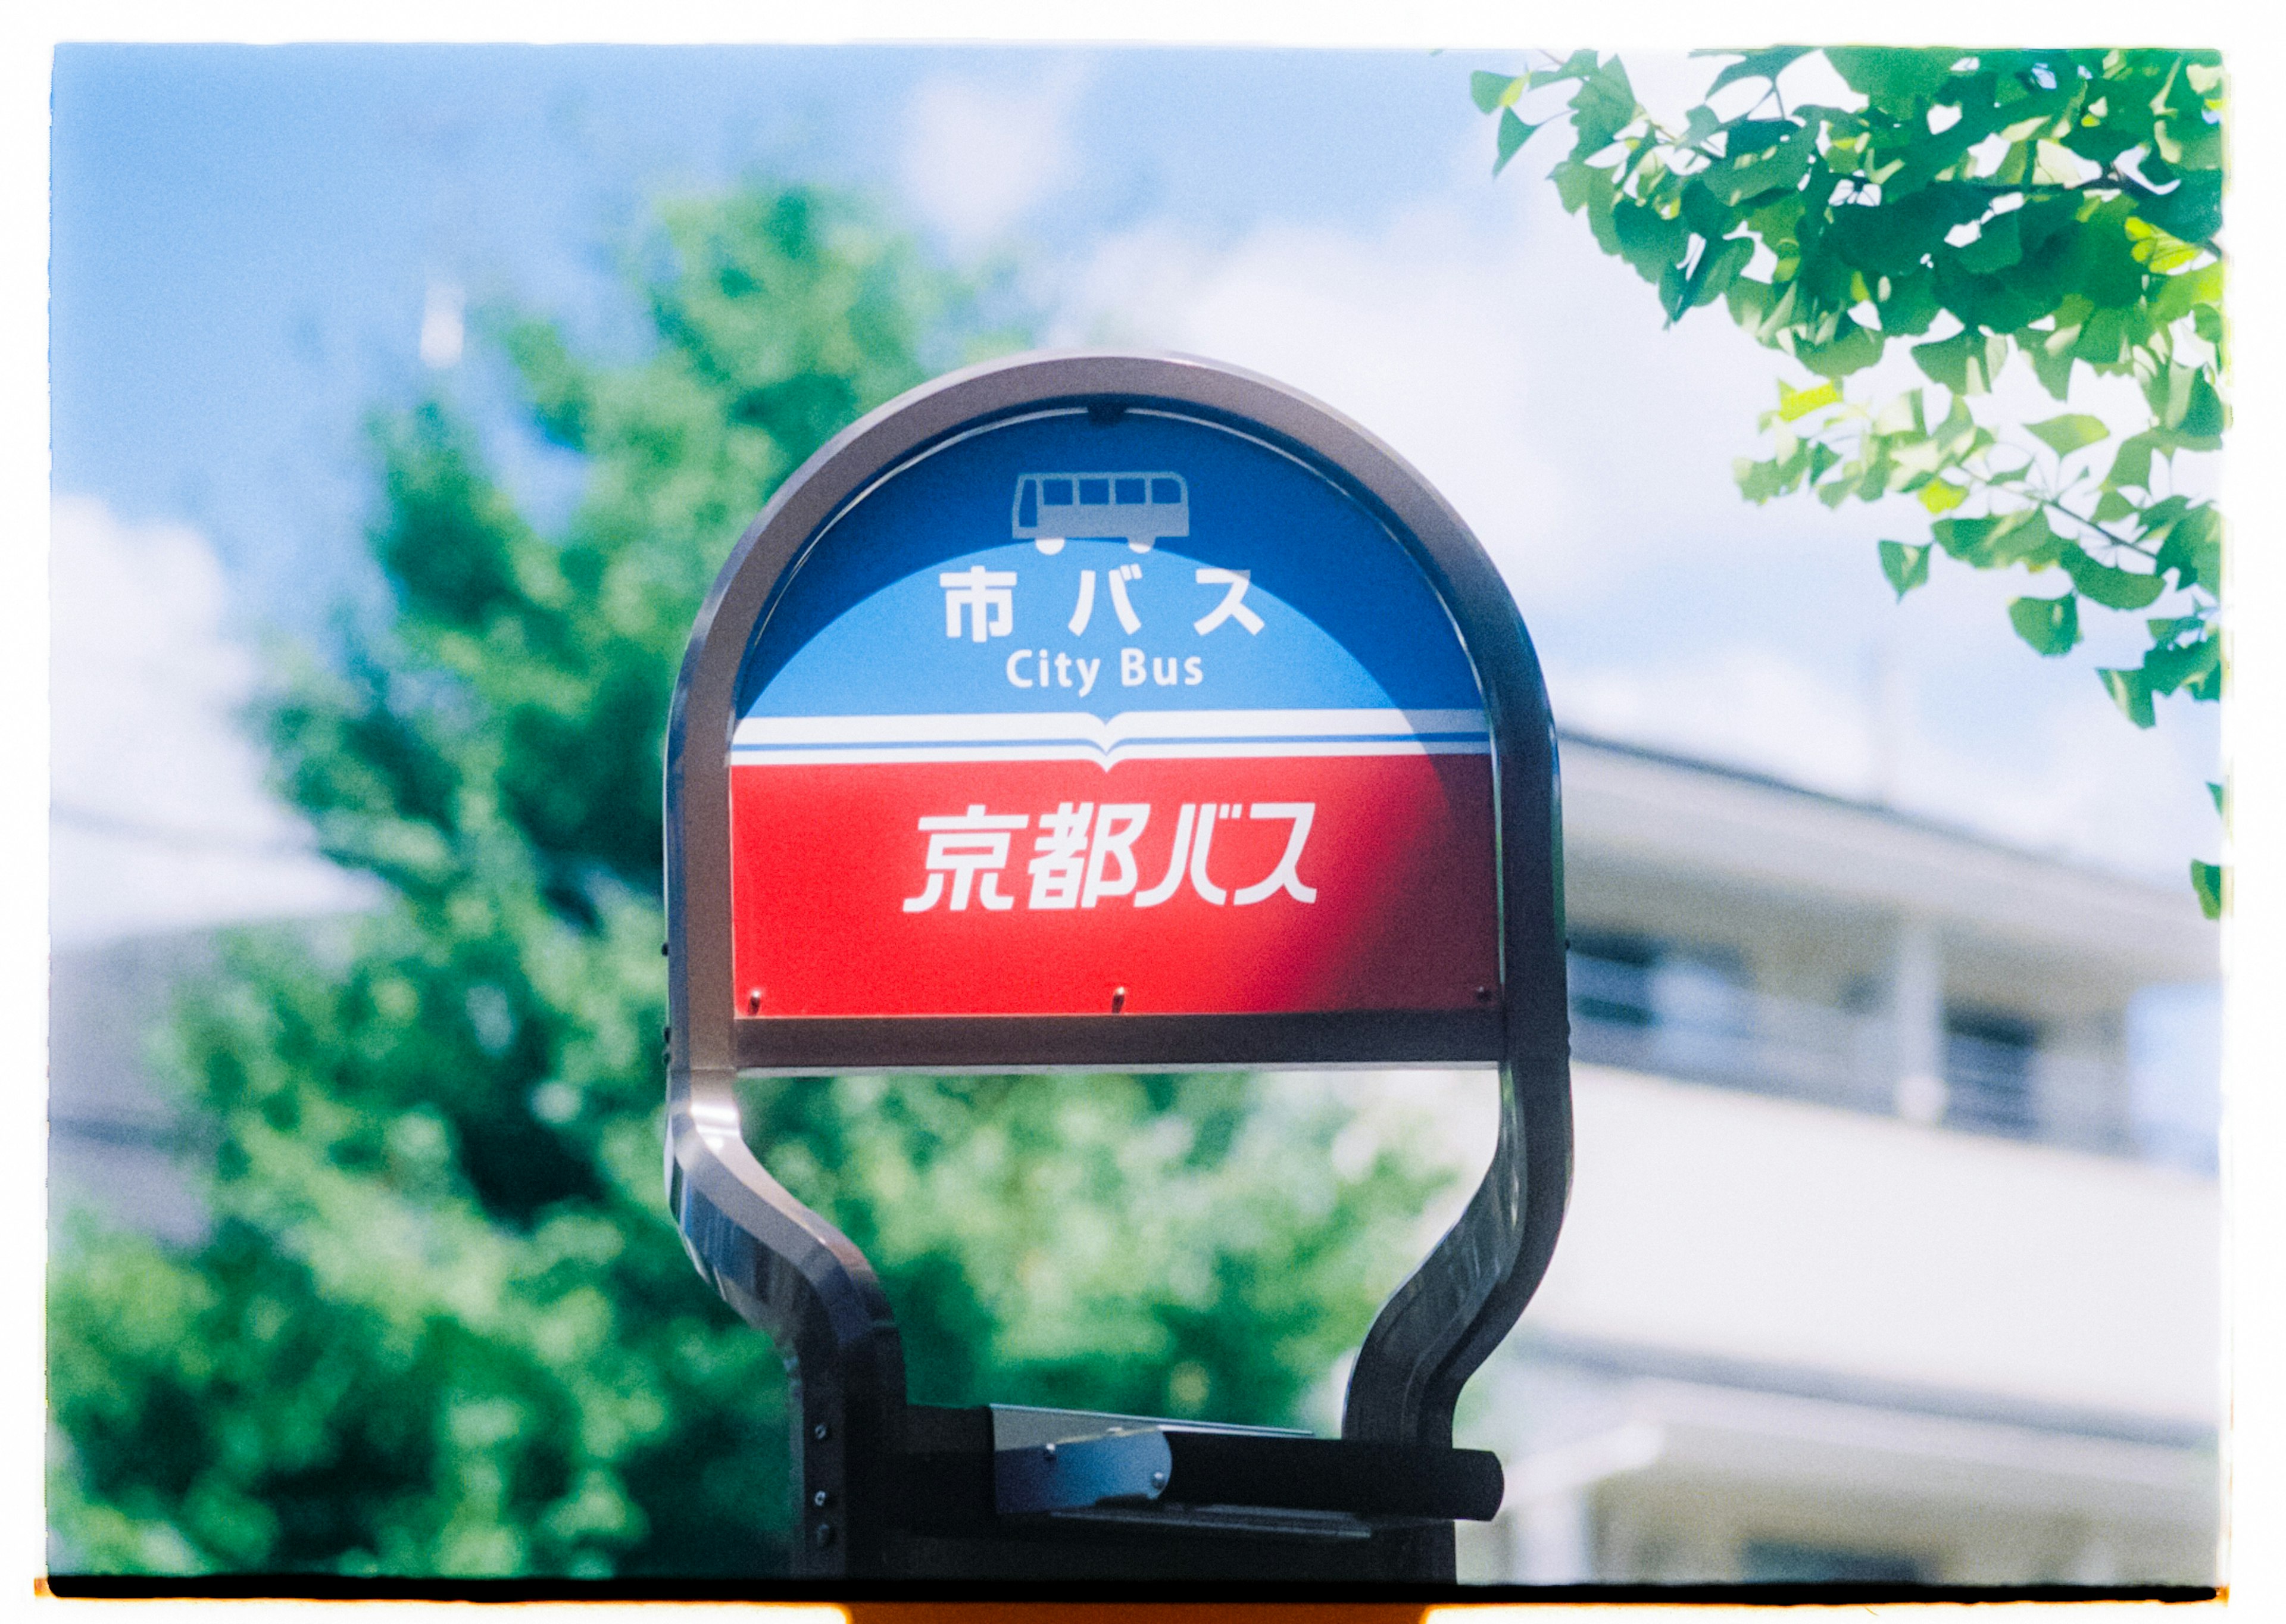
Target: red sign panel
x,y
1245,885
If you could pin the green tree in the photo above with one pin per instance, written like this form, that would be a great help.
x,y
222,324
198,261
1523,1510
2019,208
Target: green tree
x,y
2062,206
442,1323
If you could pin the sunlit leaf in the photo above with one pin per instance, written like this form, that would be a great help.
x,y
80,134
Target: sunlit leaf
x,y
1939,496
1490,91
2178,295
1793,403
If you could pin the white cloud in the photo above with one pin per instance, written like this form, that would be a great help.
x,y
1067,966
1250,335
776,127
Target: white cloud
x,y
1750,705
443,328
1483,336
160,817
980,156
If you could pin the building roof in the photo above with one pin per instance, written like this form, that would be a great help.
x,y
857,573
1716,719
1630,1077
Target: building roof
x,y
1652,809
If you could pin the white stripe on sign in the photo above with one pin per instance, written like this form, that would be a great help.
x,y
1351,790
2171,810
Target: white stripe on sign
x,y
817,756
1129,727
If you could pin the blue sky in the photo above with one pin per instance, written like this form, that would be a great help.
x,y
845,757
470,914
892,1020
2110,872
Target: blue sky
x,y
243,237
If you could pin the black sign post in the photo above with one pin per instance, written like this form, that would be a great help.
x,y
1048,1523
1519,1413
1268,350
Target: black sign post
x,y
1085,711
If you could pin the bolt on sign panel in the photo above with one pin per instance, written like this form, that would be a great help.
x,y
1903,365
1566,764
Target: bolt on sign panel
x,y
1073,716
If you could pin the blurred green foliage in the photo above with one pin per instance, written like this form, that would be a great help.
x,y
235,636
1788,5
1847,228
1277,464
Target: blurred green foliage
x,y
442,1323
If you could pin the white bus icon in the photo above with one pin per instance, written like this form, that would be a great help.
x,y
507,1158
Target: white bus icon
x,y
1141,508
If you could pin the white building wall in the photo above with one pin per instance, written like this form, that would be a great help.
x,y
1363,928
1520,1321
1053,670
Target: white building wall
x,y
1998,1362
1792,1234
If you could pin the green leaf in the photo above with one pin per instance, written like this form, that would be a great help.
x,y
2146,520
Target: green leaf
x,y
1514,132
2192,211
2129,693
1578,66
2202,416
1966,539
1793,403
1905,565
1604,105
1998,245
2189,664
2052,362
1490,91
1965,363
1648,240
1745,137
1757,482
2050,625
2211,881
2214,791
2131,465
2001,540
1941,496
1757,65
1757,172
2180,293
1719,264
1851,348
2192,548
1583,187
2071,432
1911,305
1897,81
2114,588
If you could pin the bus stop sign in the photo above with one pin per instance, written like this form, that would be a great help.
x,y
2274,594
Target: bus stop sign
x,y
1083,714
1085,711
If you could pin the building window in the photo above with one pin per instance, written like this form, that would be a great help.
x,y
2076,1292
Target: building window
x,y
1684,1010
1611,979
1987,1071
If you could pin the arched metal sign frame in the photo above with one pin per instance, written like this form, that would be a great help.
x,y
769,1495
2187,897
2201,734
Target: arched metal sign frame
x,y
791,1273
